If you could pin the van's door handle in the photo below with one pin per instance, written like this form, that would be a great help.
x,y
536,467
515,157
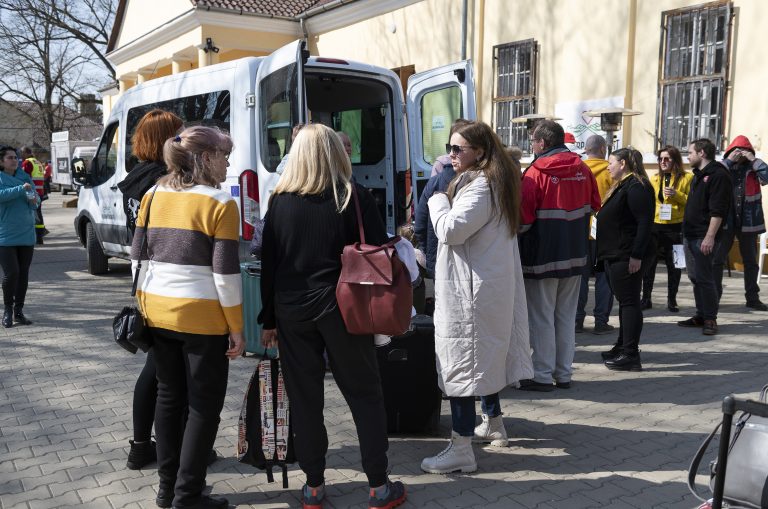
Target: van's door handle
x,y
114,188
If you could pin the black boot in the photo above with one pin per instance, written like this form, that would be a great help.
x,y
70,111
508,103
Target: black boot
x,y
625,362
141,455
19,317
612,353
8,317
672,305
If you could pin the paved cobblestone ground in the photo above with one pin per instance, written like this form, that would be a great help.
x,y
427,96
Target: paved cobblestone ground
x,y
620,440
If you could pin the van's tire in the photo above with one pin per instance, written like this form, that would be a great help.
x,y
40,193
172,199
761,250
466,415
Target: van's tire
x,y
97,261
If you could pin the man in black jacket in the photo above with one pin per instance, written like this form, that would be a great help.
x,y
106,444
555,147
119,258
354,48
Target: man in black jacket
x,y
708,203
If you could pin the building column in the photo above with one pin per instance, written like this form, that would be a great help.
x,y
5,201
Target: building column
x,y
142,76
202,58
125,82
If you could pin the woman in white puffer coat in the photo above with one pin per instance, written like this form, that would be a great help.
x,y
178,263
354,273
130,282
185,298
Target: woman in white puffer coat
x,y
481,320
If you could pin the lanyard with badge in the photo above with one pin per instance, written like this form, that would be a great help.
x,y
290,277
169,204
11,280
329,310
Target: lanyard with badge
x,y
665,210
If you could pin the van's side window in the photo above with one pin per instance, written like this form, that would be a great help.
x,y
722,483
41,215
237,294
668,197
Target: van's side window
x,y
211,109
439,108
105,161
279,112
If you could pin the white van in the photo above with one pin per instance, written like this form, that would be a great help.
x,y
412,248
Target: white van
x,y
258,100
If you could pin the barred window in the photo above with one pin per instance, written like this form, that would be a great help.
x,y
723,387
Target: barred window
x,y
514,90
692,81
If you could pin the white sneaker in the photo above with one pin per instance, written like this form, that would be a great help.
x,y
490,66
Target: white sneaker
x,y
491,430
458,456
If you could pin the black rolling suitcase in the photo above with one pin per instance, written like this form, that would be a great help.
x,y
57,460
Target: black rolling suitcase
x,y
409,379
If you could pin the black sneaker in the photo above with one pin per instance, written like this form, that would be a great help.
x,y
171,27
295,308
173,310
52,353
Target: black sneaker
x,y
164,497
624,362
393,496
672,305
141,455
603,328
612,353
533,385
757,304
645,304
694,321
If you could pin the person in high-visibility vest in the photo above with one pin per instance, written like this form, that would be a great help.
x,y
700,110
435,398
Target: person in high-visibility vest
x,y
36,170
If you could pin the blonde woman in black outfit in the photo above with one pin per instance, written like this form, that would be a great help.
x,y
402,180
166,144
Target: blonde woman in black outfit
x,y
624,245
310,220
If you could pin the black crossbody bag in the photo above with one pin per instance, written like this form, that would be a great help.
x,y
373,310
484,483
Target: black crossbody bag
x,y
128,326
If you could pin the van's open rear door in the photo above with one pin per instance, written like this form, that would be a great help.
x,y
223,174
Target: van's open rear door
x,y
434,100
280,105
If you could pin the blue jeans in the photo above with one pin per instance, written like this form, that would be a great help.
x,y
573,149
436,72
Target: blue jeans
x,y
603,294
463,412
700,268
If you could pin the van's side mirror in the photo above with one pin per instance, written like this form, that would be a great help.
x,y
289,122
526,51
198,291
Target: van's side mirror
x,y
79,173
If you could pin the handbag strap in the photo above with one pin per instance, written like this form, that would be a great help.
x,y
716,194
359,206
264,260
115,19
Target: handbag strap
x,y
358,213
143,244
697,461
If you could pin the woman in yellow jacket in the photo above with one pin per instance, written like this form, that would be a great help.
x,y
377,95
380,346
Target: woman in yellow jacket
x,y
670,187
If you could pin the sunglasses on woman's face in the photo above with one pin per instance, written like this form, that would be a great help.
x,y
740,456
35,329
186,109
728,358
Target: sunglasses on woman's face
x,y
455,149
665,160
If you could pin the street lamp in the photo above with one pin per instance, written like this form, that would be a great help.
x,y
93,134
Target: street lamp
x,y
610,121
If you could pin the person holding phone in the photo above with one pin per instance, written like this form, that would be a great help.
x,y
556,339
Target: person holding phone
x,y
18,203
670,189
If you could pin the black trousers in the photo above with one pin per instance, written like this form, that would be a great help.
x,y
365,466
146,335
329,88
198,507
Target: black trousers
x,y
192,371
626,288
665,235
748,250
355,369
15,261
145,400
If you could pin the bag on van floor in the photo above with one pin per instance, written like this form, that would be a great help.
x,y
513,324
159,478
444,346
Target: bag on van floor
x,y
746,482
264,437
128,326
374,291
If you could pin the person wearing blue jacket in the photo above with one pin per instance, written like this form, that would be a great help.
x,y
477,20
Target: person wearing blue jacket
x,y
18,202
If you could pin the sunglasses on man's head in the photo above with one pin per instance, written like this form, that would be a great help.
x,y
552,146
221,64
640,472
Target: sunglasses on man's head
x,y
455,149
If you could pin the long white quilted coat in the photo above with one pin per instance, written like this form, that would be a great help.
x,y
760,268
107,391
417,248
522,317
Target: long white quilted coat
x,y
481,318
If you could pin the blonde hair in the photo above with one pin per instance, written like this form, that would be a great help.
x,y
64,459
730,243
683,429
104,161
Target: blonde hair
x,y
316,163
183,156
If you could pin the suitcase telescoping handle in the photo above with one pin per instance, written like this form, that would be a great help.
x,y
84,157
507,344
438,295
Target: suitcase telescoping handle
x,y
731,405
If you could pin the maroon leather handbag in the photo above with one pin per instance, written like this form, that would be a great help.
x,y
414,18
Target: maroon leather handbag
x,y
374,290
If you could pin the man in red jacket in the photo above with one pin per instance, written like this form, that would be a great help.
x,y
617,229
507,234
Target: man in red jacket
x,y
559,192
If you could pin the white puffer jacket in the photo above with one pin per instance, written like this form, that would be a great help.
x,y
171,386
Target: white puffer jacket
x,y
481,318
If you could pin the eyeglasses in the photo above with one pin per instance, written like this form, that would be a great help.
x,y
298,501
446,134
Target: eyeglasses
x,y
455,149
665,159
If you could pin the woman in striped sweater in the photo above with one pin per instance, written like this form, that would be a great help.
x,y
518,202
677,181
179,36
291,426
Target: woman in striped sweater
x,y
190,295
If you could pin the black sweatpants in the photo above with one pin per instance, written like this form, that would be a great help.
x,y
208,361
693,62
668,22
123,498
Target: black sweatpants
x,y
191,368
355,369
15,261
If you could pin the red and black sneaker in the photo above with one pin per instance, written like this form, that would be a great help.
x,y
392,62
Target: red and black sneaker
x,y
387,498
312,498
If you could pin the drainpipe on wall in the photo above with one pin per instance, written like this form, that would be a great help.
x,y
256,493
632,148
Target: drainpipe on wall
x,y
629,87
464,29
480,60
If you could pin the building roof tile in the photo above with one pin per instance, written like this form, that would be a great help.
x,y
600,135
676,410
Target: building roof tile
x,y
283,8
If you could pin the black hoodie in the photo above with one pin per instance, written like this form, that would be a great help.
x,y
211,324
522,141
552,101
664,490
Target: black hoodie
x,y
136,184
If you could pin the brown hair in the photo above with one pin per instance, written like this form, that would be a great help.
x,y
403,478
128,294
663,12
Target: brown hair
x,y
677,161
550,132
151,132
183,156
500,170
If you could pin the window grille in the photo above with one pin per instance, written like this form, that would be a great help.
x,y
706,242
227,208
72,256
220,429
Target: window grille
x,y
514,90
693,74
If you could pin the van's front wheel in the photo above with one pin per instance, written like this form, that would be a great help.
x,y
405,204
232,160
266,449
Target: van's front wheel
x,y
97,261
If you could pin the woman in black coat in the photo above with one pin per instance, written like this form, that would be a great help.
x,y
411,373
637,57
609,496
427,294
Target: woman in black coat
x,y
624,245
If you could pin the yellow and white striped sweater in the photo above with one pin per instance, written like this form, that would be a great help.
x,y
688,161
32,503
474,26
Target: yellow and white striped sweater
x,y
191,282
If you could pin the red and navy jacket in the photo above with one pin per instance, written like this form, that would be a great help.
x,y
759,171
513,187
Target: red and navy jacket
x,y
559,192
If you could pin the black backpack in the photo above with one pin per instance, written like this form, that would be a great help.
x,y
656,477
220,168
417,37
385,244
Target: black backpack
x,y
265,434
